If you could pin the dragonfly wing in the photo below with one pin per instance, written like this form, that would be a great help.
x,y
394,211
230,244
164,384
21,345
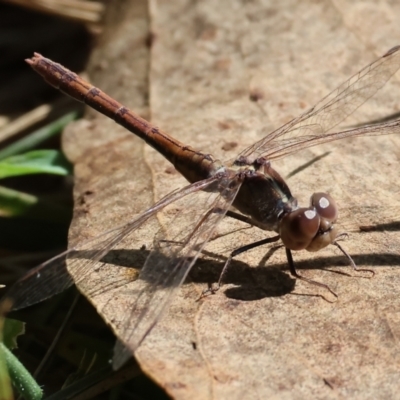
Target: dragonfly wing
x,y
41,283
311,127
174,252
285,148
53,276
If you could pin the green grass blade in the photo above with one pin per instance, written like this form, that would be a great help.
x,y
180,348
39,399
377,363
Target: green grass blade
x,y
35,162
35,138
21,379
19,204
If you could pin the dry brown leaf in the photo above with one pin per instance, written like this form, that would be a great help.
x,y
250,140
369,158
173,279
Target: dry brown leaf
x,y
259,337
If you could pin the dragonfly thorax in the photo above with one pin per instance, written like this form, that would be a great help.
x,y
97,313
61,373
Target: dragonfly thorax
x,y
311,228
264,196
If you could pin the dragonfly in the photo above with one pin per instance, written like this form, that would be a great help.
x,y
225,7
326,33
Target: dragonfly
x,y
246,188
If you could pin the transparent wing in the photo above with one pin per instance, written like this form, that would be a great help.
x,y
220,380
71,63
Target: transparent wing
x,y
174,252
52,277
310,128
287,147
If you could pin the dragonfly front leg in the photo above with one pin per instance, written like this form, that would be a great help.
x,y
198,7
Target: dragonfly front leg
x,y
294,273
352,263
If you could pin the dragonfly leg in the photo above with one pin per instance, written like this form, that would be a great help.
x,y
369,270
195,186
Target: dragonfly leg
x,y
189,237
214,288
216,210
298,276
241,217
352,263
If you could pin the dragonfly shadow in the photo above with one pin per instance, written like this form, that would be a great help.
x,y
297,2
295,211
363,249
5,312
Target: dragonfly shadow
x,y
251,283
390,227
258,282
307,165
272,280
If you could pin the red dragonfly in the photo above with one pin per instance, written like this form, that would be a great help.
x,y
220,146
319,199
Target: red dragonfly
x,y
249,184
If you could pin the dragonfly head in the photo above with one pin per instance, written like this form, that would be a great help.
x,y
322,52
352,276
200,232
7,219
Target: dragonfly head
x,y
311,228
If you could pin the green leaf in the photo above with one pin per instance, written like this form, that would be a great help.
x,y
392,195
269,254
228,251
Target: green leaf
x,y
39,136
5,383
14,203
35,162
11,330
21,379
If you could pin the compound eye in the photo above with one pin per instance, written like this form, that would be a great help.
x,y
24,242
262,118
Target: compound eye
x,y
325,206
299,228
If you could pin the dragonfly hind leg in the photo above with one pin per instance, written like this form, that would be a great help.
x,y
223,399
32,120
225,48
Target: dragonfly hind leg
x,y
212,289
